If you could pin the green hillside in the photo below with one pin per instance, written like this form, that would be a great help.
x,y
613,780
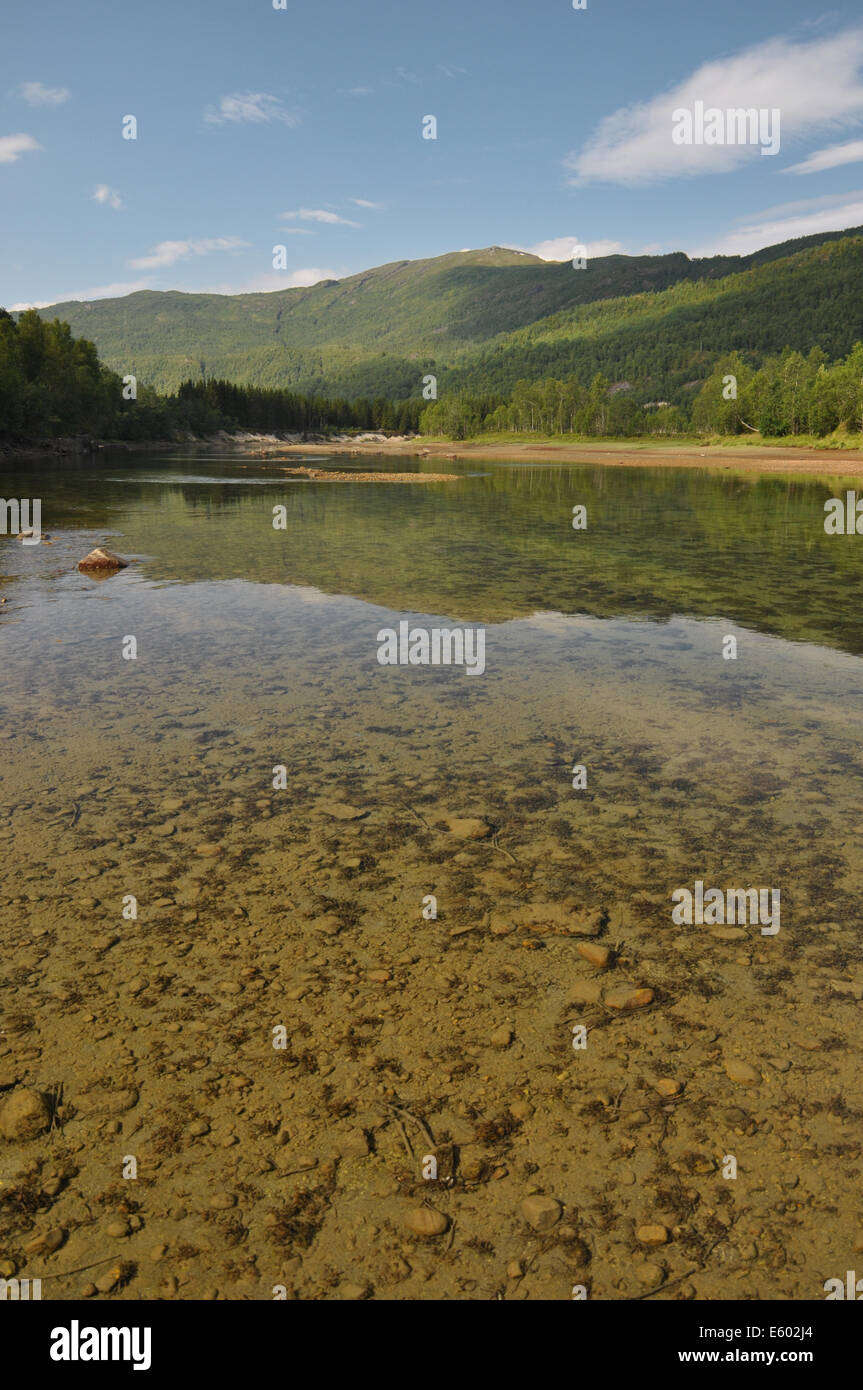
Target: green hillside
x,y
666,343
485,319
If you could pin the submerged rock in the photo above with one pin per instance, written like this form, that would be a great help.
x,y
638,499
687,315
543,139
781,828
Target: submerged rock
x,y
541,1212
425,1221
652,1234
585,992
467,827
25,1114
626,999
596,955
742,1073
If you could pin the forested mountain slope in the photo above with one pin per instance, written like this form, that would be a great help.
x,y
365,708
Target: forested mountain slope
x,y
480,320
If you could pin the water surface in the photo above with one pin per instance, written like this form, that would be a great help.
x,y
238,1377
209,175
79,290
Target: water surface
x,y
256,648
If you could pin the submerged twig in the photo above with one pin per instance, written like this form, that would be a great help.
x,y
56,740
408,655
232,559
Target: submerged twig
x,y
67,1273
400,1110
501,850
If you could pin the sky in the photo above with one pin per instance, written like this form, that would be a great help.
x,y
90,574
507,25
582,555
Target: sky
x,y
302,126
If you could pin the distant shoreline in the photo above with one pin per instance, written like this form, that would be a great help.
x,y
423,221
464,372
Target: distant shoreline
x,y
632,453
829,463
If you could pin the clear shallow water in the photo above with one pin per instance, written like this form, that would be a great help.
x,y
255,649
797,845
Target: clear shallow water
x,y
258,647
602,647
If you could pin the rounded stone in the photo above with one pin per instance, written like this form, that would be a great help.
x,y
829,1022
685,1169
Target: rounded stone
x,y
541,1212
626,1000
426,1222
666,1086
354,1293
742,1073
596,955
25,1114
652,1235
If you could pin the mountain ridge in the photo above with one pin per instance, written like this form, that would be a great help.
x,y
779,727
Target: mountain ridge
x,y
479,319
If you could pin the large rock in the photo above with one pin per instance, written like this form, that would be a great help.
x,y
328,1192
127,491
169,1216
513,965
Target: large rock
x,y
25,1114
102,560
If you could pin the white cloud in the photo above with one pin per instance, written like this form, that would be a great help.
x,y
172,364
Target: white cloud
x,y
831,158
259,108
815,84
37,94
562,248
825,200
364,203
169,252
768,233
310,275
318,215
12,146
360,91
103,194
115,291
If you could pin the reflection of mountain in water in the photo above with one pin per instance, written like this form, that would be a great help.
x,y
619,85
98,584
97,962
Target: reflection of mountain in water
x,y
491,547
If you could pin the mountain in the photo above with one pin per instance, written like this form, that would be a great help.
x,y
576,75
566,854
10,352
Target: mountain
x,y
480,320
664,344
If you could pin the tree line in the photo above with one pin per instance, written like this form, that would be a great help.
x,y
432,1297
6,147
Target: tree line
x,y
789,394
264,408
52,384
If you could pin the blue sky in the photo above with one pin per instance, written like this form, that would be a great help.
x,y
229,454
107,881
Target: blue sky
x,y
302,126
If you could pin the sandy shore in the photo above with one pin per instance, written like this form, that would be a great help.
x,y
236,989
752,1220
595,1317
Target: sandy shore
x,y
826,463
